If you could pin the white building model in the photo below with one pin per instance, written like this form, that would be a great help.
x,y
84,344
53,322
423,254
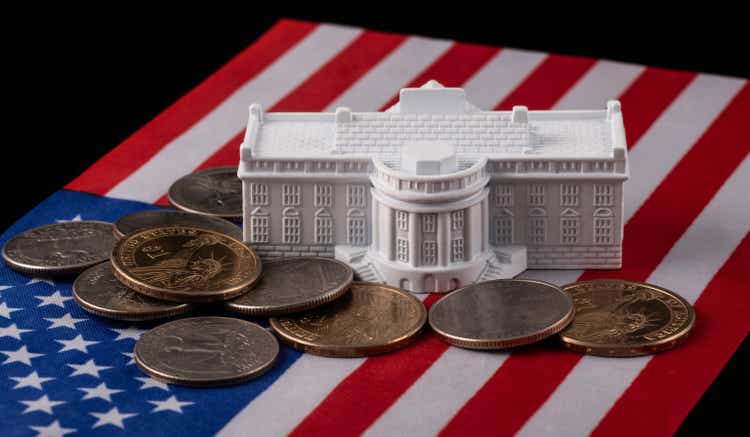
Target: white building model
x,y
433,193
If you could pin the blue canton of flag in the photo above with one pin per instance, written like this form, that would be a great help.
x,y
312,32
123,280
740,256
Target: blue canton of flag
x,y
66,372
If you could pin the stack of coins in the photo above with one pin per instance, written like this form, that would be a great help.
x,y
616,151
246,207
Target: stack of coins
x,y
161,264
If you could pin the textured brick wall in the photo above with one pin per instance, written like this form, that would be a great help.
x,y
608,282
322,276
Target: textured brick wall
x,y
269,251
574,257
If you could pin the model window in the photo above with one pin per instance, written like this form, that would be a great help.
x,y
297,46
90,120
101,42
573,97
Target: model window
x,y
457,220
258,194
323,229
428,222
259,228
290,195
323,195
355,196
604,224
569,194
402,249
291,229
402,220
570,227
536,195
504,231
604,195
429,253
457,250
504,195
356,228
537,230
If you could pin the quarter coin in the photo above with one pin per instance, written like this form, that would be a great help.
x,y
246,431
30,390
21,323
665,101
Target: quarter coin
x,y
291,285
206,351
140,220
215,192
501,314
619,318
60,248
185,264
370,319
98,291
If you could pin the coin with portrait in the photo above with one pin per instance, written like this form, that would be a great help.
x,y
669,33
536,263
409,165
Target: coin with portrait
x,y
214,191
206,351
185,264
97,291
140,220
370,319
60,248
291,285
620,318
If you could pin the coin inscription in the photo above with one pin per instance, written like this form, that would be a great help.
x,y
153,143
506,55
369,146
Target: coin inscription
x,y
370,319
501,314
98,291
60,248
623,318
185,264
206,351
215,191
140,220
294,284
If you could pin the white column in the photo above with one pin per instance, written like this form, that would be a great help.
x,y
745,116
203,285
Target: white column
x,y
387,232
375,225
485,234
414,231
468,232
443,238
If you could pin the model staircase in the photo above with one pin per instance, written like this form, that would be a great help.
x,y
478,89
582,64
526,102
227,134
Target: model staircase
x,y
504,263
366,272
493,270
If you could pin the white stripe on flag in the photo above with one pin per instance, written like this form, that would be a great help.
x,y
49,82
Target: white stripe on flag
x,y
377,87
595,384
606,80
501,75
438,384
189,150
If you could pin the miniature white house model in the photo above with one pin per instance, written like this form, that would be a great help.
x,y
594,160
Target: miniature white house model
x,y
434,193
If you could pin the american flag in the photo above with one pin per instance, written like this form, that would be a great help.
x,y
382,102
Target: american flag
x,y
687,211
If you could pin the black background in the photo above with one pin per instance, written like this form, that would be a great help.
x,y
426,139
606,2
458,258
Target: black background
x,y
80,81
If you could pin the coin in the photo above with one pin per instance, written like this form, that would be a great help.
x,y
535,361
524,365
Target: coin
x,y
139,220
60,248
501,314
619,318
370,319
291,285
185,264
215,191
97,291
206,351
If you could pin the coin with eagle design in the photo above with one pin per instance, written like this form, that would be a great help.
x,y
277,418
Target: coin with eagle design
x,y
370,319
185,264
619,318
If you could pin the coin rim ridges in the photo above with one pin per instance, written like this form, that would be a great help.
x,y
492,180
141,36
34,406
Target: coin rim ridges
x,y
170,198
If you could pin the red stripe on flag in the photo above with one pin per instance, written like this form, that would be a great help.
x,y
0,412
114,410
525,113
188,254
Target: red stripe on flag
x,y
368,391
452,68
123,160
650,233
669,386
549,81
658,87
353,400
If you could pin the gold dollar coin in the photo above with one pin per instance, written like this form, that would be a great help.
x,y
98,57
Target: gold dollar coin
x,y
619,318
185,264
370,319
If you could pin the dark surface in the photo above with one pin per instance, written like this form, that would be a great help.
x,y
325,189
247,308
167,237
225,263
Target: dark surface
x,y
81,81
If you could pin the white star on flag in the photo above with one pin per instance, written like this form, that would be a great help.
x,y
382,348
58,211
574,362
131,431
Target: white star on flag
x,y
21,355
100,391
111,417
77,218
131,356
171,404
54,299
5,310
41,404
52,430
129,332
87,368
66,321
78,343
151,383
13,331
45,280
30,380
5,287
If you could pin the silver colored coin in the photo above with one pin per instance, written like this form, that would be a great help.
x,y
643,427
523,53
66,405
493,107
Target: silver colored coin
x,y
60,248
294,284
215,192
206,351
501,314
97,291
139,220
